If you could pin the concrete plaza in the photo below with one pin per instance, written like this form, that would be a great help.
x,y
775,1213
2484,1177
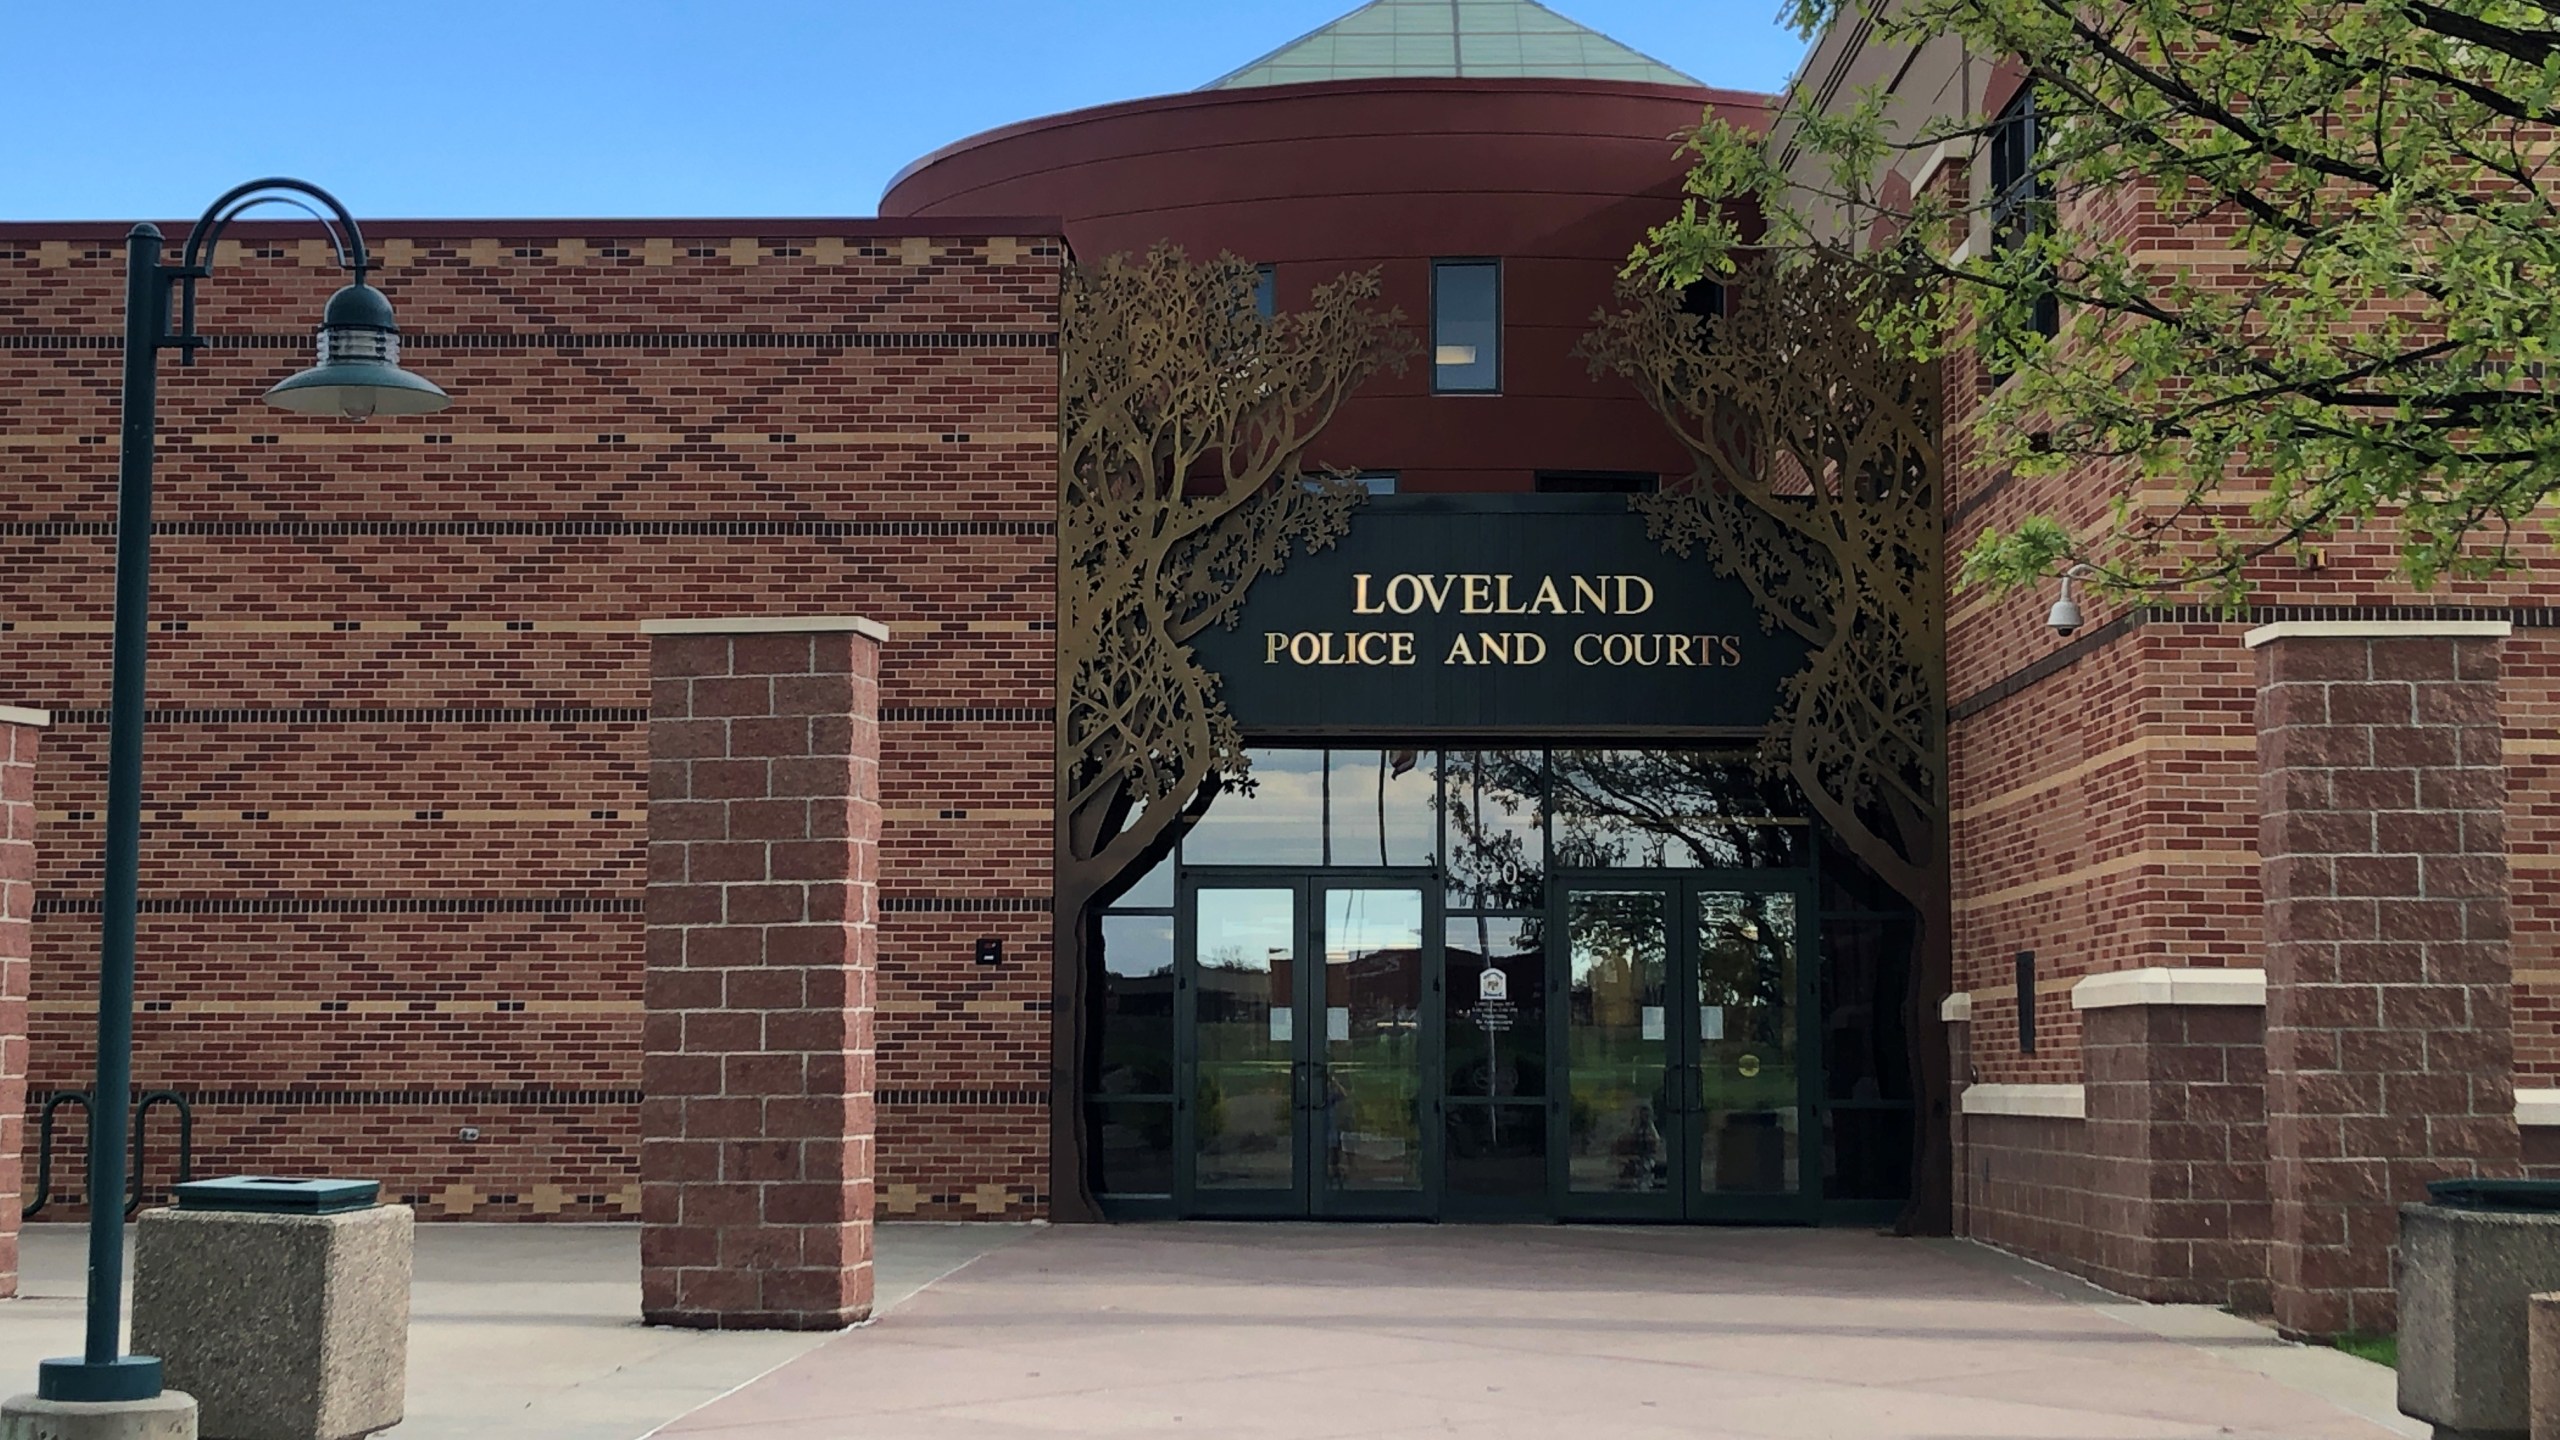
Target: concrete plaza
x,y
993,1332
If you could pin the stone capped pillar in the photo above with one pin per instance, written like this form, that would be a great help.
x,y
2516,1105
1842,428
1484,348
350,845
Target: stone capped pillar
x,y
764,834
1955,1014
2382,848
19,730
2176,1061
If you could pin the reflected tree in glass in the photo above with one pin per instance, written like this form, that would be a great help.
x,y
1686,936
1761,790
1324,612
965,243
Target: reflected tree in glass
x,y
1649,809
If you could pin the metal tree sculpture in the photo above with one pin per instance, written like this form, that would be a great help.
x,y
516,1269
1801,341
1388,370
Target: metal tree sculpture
x,y
1184,420
1817,484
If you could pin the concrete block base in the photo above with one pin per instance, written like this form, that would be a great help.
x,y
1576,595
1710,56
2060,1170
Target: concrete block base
x,y
2542,1367
169,1415
2466,1281
284,1327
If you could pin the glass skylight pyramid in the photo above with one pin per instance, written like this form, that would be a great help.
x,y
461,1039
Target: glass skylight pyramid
x,y
1450,39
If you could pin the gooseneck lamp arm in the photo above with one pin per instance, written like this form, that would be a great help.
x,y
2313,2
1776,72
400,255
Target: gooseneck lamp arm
x,y
103,1373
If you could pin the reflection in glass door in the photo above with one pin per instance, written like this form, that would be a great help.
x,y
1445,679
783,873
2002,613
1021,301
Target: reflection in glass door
x,y
1617,1044
1307,1067
1368,1070
1748,1084
1683,1093
1245,1083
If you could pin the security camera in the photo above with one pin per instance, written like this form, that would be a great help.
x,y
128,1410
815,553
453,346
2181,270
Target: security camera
x,y
2064,617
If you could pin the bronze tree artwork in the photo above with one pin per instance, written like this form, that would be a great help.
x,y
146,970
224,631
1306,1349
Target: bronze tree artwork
x,y
1816,483
1185,417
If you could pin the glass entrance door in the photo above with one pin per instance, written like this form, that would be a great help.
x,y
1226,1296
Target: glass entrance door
x,y
1308,1086
1679,1038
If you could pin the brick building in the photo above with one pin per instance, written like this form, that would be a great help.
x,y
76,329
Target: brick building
x,y
1465,952
2254,919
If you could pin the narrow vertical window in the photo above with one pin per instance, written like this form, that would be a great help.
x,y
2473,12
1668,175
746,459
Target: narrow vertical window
x,y
1266,291
2022,192
1466,325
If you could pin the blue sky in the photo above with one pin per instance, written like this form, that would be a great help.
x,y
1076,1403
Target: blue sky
x,y
637,107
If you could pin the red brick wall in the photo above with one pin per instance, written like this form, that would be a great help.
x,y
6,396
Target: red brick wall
x,y
393,856
2027,1188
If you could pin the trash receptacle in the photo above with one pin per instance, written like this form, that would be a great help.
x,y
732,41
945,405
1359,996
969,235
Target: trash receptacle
x,y
281,1304
2470,1262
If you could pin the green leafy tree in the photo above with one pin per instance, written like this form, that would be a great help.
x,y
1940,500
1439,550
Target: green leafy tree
x,y
2367,333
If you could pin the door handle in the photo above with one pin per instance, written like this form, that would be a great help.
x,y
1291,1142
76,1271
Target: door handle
x,y
1298,1085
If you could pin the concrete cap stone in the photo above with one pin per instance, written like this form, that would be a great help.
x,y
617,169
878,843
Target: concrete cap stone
x,y
2051,1102
2378,630
20,715
769,625
2162,985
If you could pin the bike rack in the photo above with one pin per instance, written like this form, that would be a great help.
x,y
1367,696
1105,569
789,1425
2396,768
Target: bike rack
x,y
150,1100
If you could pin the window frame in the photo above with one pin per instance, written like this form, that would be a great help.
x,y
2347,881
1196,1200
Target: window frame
x,y
2022,192
1494,263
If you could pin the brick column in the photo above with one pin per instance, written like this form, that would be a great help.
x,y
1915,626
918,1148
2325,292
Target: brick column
x,y
2176,1062
2382,849
19,730
764,830
1956,1014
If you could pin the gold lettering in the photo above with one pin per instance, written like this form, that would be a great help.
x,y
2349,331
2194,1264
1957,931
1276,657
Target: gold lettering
x,y
1496,649
1479,594
1361,649
1625,607
1439,593
1330,658
1585,639
1360,601
1404,594
1305,646
1547,601
1402,648
1520,643
1459,654
1732,648
1618,649
1588,589
1502,590
1680,648
1273,642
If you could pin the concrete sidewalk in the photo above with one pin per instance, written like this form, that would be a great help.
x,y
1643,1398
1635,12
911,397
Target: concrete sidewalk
x,y
522,1330
1300,1332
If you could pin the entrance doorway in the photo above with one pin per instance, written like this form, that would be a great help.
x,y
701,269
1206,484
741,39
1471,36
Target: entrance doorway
x,y
1683,1094
1304,1036
1501,985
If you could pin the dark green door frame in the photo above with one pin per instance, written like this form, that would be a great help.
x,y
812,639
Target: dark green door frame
x,y
1316,1106
1679,1111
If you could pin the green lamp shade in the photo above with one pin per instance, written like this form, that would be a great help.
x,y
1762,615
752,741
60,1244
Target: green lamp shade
x,y
359,373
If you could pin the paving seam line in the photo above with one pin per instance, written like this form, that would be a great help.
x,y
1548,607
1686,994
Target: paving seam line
x,y
823,1337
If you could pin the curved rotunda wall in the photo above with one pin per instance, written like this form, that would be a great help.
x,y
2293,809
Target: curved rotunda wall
x,y
1556,178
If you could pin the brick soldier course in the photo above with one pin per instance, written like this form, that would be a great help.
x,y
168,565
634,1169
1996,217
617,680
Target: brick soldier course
x,y
756,1152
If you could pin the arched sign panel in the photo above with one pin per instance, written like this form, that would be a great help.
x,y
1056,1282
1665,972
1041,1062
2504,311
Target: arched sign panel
x,y
1547,614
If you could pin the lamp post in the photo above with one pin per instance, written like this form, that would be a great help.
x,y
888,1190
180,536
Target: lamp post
x,y
357,375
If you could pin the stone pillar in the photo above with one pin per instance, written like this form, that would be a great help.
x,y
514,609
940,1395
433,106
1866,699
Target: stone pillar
x,y
2176,1063
1955,1012
2382,850
764,830
18,732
